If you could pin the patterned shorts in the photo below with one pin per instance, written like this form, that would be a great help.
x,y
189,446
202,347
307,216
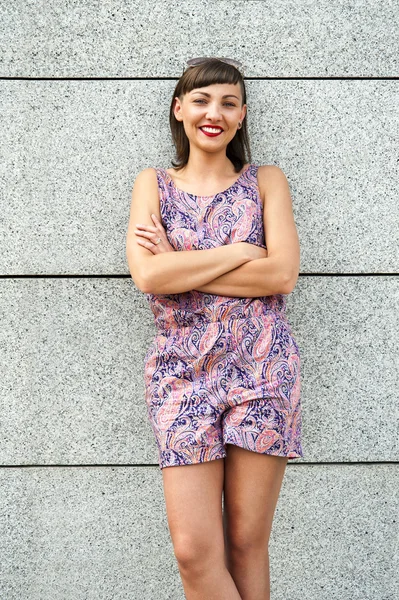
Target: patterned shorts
x,y
233,381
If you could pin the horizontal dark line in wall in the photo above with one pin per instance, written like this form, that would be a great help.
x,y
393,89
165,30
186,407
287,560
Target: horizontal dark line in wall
x,y
316,274
102,465
126,275
263,78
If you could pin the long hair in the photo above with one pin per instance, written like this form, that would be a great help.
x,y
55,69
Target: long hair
x,y
210,72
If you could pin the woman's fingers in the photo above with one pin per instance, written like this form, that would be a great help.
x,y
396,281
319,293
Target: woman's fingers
x,y
146,234
152,234
139,226
149,238
157,221
149,231
158,225
154,248
144,243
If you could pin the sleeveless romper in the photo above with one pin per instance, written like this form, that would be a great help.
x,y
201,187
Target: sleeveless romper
x,y
220,369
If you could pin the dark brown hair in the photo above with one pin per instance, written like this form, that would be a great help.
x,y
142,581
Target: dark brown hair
x,y
210,72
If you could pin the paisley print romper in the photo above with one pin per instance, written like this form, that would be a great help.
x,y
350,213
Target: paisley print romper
x,y
220,369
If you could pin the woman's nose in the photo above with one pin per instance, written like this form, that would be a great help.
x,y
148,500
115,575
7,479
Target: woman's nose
x,y
213,111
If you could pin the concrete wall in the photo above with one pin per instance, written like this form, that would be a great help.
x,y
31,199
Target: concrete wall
x,y
84,94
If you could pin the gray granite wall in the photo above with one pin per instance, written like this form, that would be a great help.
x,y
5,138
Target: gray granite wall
x,y
84,96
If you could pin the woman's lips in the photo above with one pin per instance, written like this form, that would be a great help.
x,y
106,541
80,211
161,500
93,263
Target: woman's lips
x,y
209,134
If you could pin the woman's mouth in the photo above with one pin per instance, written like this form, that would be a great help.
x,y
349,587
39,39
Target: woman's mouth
x,y
211,131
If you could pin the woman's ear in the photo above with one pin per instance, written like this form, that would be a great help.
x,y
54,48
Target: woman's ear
x,y
177,109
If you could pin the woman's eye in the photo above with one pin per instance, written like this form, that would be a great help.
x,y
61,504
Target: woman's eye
x,y
226,103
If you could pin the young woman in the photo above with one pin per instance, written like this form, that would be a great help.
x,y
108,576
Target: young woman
x,y
222,375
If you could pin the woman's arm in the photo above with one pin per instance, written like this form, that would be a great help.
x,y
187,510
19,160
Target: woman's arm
x,y
172,272
260,277
253,276
178,272
279,271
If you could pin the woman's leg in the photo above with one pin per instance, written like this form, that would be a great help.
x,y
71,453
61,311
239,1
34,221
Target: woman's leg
x,y
193,496
251,488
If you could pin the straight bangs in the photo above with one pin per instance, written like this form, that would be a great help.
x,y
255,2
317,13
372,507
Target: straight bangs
x,y
210,73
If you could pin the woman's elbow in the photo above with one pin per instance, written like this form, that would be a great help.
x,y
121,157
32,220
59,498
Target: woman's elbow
x,y
143,281
139,282
146,287
140,276
141,285
289,282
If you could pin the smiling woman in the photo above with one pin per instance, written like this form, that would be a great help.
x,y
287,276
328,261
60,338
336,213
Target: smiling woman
x,y
222,376
214,108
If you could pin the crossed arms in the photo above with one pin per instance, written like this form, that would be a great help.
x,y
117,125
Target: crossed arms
x,y
230,270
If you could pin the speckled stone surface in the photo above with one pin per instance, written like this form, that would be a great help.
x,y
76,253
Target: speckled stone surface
x,y
99,533
82,513
348,331
335,534
70,152
72,362
273,38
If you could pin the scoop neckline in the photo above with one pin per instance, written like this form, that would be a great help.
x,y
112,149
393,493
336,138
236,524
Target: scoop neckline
x,y
213,195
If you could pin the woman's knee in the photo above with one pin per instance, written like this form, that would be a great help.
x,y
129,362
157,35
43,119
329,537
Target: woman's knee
x,y
194,552
243,539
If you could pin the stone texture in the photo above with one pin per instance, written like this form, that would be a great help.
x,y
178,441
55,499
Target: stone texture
x,y
100,533
348,331
71,150
72,353
279,38
335,534
82,511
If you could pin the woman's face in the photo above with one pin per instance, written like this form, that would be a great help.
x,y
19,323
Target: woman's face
x,y
211,114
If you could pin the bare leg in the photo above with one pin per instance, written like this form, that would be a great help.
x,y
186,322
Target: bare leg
x,y
251,489
193,496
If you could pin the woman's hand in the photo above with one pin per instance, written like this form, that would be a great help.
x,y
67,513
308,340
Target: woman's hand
x,y
151,234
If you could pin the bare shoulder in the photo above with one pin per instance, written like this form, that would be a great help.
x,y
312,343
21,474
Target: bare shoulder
x,y
146,186
271,174
146,175
271,179
145,194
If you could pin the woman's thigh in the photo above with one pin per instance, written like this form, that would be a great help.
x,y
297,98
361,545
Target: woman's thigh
x,y
252,483
193,498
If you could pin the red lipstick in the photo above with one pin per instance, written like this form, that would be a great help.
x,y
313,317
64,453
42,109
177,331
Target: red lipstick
x,y
209,134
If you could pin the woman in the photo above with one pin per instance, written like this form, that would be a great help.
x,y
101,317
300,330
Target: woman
x,y
223,372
